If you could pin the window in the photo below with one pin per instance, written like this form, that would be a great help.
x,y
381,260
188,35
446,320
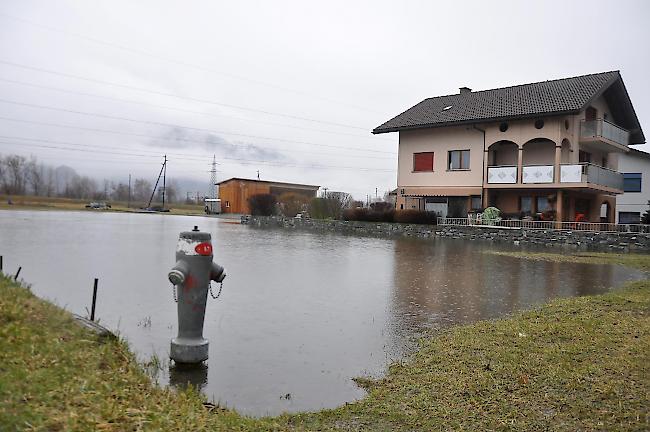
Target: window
x,y
503,127
423,161
629,217
539,124
477,202
227,204
542,204
458,160
526,204
631,182
584,156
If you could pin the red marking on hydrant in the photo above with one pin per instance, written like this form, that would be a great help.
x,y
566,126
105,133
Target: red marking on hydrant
x,y
203,249
189,282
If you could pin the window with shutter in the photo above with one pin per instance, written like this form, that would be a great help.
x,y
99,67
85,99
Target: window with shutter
x,y
423,161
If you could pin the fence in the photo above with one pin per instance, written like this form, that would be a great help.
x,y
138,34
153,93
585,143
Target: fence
x,y
546,225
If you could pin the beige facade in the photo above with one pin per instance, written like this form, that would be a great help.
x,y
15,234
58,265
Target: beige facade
x,y
532,165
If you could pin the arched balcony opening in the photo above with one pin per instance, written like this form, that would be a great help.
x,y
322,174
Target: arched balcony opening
x,y
502,162
538,159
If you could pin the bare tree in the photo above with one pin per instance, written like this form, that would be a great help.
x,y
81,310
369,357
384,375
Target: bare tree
x,y
141,190
16,174
337,202
35,176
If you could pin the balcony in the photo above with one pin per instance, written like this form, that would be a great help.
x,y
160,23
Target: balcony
x,y
592,174
538,174
502,174
602,131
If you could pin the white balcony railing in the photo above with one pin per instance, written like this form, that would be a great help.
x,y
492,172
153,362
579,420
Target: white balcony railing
x,y
502,174
538,174
588,173
545,225
603,129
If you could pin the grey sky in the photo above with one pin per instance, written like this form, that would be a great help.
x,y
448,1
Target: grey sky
x,y
347,65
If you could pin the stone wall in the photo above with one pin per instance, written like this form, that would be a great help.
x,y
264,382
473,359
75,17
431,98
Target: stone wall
x,y
597,241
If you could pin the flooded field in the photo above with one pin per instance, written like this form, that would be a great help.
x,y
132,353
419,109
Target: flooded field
x,y
300,313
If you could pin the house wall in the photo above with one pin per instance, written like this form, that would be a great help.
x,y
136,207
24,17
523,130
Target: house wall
x,y
634,201
440,141
522,131
234,195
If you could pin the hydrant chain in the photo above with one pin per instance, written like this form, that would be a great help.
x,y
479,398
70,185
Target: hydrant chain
x,y
219,293
175,298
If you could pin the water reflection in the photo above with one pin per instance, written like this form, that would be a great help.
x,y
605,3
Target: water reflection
x,y
440,283
301,313
181,376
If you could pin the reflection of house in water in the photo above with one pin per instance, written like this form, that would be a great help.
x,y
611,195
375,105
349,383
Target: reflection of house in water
x,y
449,281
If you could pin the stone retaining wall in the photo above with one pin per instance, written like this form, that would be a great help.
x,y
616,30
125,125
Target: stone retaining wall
x,y
597,241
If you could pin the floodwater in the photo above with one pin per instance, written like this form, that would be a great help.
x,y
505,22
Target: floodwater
x,y
301,313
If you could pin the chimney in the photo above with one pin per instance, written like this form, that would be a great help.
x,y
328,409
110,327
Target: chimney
x,y
464,90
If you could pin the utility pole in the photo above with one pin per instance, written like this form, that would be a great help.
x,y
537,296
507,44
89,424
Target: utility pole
x,y
258,174
376,193
128,203
213,178
325,192
164,184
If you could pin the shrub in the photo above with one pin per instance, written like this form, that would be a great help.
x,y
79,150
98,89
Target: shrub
x,y
416,217
262,204
292,203
369,215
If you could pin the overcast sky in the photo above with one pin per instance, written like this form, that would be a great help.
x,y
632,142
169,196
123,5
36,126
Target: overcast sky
x,y
291,88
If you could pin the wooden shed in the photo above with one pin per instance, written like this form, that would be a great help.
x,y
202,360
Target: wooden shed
x,y
234,192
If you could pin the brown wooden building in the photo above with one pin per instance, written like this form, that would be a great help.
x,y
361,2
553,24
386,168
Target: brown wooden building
x,y
234,192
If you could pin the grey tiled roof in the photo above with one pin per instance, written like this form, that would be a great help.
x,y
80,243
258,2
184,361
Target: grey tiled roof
x,y
548,97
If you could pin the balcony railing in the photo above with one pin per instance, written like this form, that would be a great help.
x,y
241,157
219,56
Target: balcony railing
x,y
545,225
538,174
506,174
603,129
588,173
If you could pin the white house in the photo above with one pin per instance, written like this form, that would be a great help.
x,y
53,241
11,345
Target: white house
x,y
635,167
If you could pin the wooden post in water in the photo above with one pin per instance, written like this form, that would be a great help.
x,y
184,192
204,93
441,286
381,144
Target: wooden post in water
x,y
92,309
17,273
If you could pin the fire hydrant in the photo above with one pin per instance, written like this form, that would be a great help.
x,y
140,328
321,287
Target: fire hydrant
x,y
191,277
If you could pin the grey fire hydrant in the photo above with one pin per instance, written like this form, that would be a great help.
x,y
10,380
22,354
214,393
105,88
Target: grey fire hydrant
x,y
191,277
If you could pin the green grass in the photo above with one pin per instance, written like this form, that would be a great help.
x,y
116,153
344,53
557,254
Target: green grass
x,y
28,202
574,364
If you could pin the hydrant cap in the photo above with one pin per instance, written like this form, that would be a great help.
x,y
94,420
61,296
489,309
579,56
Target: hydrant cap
x,y
194,243
197,236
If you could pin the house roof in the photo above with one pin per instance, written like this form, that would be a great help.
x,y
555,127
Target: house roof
x,y
297,185
639,153
556,97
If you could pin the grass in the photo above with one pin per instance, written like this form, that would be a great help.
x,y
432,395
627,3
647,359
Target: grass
x,y
637,261
574,364
27,202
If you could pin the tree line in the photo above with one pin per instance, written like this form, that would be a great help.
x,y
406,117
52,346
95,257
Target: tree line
x,y
27,176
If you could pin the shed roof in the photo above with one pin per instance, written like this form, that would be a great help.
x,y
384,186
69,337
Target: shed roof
x,y
296,185
555,97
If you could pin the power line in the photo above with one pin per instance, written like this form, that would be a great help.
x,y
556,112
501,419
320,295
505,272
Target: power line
x,y
244,146
180,97
58,89
179,62
172,125
242,161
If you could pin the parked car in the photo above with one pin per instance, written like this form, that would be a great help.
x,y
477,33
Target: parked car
x,y
98,206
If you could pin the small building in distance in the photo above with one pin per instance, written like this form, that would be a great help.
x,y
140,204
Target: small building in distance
x,y
235,192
